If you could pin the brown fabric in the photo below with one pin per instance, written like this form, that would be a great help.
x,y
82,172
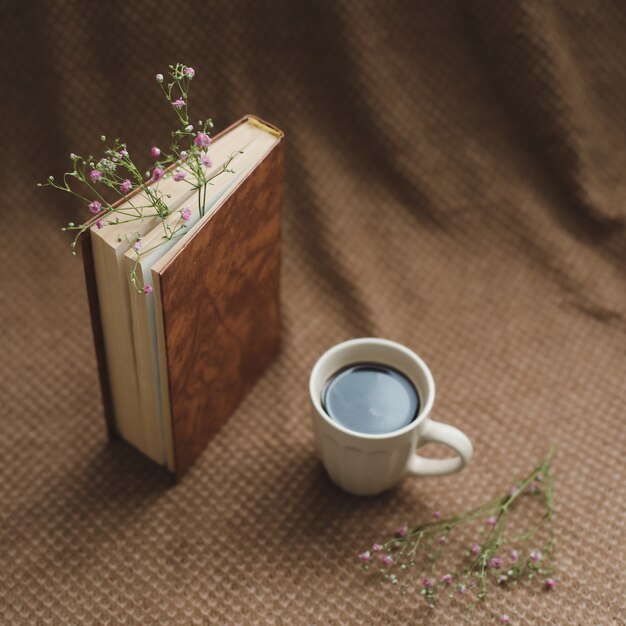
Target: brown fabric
x,y
454,181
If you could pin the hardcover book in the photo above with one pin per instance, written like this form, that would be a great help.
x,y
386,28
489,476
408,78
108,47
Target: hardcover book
x,y
175,364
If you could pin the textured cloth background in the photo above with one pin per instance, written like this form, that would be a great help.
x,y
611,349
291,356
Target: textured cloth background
x,y
455,182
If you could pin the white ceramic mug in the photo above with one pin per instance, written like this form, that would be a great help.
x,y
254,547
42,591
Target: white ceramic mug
x,y
366,464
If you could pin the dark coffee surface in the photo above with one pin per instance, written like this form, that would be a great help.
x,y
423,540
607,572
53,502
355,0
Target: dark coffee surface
x,y
370,398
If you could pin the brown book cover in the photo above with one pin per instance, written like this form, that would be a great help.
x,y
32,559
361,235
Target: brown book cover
x,y
219,308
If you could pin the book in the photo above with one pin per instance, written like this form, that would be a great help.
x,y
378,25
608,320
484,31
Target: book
x,y
175,364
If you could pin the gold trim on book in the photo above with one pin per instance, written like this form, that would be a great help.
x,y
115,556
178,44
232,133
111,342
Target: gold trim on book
x,y
259,124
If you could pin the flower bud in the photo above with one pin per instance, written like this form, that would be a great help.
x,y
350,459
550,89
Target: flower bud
x,y
159,78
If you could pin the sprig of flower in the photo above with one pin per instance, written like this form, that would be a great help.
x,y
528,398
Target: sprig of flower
x,y
415,557
116,172
114,189
190,144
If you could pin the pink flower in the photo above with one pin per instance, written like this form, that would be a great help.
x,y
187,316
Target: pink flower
x,y
401,531
495,562
123,152
365,556
155,152
491,521
535,556
202,140
447,579
100,223
502,579
437,514
387,560
504,619
95,176
206,160
514,490
550,583
426,582
95,206
178,104
157,173
513,555
377,547
126,186
189,72
442,539
475,549
137,245
179,175
186,216
147,290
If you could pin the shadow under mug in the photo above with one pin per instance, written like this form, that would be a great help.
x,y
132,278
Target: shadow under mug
x,y
366,464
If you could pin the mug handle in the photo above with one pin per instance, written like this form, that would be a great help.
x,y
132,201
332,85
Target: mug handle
x,y
449,436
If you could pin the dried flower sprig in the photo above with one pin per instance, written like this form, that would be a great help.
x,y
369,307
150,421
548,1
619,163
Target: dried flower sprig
x,y
197,139
107,185
499,557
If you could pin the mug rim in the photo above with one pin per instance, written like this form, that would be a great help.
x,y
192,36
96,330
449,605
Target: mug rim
x,y
423,411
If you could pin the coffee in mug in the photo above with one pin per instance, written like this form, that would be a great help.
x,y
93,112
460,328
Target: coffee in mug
x,y
371,408
370,398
